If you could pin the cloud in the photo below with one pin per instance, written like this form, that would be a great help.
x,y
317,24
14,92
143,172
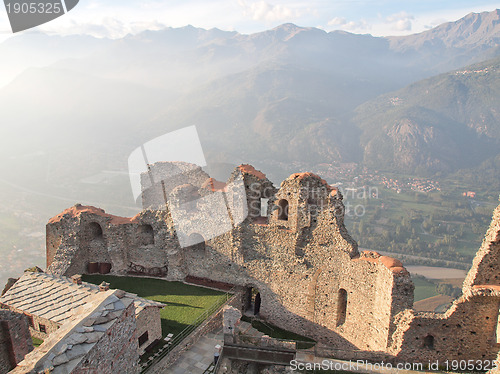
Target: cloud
x,y
344,24
401,21
109,27
264,11
337,21
435,22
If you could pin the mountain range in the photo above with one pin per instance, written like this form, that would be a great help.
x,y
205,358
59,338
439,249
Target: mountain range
x,y
424,103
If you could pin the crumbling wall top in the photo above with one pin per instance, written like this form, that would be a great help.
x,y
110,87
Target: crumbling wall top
x,y
390,263
78,209
249,169
302,176
485,268
214,185
486,290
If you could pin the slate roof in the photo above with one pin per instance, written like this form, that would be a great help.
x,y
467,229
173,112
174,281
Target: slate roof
x,y
55,298
84,312
64,349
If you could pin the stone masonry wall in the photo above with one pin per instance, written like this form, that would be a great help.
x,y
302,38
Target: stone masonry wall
x,y
466,331
39,324
469,329
121,242
15,339
117,351
149,321
36,324
486,262
299,265
300,258
163,177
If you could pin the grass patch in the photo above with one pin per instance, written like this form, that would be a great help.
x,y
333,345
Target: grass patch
x,y
185,303
36,341
424,288
278,333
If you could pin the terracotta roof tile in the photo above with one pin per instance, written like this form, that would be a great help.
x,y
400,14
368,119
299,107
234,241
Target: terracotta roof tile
x,y
249,169
390,263
77,210
300,176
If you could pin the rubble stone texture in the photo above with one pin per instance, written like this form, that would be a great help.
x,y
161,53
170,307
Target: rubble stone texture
x,y
231,317
52,301
298,257
15,339
98,338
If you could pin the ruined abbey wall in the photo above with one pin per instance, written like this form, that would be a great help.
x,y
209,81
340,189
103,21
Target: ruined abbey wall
x,y
470,328
116,351
467,329
485,266
296,253
15,339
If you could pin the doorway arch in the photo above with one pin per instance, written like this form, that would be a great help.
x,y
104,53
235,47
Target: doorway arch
x,y
253,301
341,307
283,210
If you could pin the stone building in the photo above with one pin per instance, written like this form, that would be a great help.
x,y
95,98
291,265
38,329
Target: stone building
x,y
289,248
15,339
99,337
470,328
49,302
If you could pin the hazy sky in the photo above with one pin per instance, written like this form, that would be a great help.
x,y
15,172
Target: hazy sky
x,y
114,18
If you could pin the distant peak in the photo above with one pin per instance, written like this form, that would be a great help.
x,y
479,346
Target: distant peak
x,y
472,29
287,31
287,26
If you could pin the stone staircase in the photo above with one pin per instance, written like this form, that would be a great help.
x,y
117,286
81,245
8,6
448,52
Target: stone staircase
x,y
245,328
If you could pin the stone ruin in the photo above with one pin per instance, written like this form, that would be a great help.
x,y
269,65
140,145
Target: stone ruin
x,y
293,257
15,339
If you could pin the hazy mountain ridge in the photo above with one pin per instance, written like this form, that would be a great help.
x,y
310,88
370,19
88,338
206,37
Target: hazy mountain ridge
x,y
79,105
473,38
446,122
35,49
285,94
471,30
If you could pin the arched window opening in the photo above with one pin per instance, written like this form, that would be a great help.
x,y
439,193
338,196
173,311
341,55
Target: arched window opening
x,y
143,339
429,342
146,235
258,211
256,308
253,301
283,210
94,231
341,307
263,207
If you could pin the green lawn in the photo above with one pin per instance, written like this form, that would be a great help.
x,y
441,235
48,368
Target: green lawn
x,y
424,288
185,303
36,341
278,333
